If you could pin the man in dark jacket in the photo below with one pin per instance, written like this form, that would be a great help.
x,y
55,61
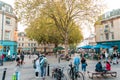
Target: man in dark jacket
x,y
98,67
22,58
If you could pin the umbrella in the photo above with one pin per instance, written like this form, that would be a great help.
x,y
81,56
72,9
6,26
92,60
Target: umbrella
x,y
86,47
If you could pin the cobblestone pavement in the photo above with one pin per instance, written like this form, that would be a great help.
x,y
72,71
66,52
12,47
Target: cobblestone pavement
x,y
28,73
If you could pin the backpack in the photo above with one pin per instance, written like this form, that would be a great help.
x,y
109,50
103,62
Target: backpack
x,y
45,63
40,58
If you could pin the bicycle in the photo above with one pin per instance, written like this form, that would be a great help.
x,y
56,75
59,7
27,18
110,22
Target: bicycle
x,y
73,74
58,74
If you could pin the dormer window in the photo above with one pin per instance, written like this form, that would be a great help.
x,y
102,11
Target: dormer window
x,y
106,30
106,26
7,8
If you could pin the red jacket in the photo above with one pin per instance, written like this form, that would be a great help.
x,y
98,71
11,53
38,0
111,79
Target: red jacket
x,y
2,56
108,67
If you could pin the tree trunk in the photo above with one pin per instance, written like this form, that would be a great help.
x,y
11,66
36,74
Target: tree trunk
x,y
55,52
66,44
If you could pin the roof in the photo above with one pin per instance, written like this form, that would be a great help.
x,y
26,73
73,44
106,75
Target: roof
x,y
8,7
111,15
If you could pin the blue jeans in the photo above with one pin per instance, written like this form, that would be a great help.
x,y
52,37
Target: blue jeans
x,y
84,67
76,68
43,71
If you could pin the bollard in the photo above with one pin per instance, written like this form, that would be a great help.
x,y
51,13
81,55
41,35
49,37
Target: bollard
x,y
48,70
4,73
59,59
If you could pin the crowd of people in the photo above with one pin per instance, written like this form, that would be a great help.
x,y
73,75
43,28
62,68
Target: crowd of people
x,y
40,63
98,67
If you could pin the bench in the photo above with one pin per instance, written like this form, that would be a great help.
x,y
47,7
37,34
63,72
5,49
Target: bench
x,y
94,73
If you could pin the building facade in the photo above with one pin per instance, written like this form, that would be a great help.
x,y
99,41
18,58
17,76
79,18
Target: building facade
x,y
107,32
31,46
8,30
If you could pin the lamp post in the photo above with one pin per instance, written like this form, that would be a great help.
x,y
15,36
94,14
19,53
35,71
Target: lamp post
x,y
2,24
2,32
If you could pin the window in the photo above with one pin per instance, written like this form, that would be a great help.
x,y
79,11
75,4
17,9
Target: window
x,y
6,48
106,26
22,39
107,36
7,35
112,35
23,34
22,44
101,37
7,8
19,44
8,20
31,44
19,39
106,30
28,44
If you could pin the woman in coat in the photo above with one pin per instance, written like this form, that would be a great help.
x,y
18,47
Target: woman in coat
x,y
37,69
108,66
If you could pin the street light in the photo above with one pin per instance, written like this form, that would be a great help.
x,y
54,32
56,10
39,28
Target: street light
x,y
2,24
2,31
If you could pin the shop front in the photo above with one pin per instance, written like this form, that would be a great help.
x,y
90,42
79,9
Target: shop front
x,y
114,44
9,48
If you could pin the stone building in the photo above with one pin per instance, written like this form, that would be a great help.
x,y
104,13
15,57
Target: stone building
x,y
108,29
27,45
8,29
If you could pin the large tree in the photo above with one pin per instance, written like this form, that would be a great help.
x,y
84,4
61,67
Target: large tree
x,y
44,30
64,13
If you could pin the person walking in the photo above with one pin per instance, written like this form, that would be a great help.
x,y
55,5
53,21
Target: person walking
x,y
22,58
43,65
17,69
18,61
76,62
37,67
84,64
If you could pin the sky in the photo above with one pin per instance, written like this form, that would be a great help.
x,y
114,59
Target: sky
x,y
112,4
